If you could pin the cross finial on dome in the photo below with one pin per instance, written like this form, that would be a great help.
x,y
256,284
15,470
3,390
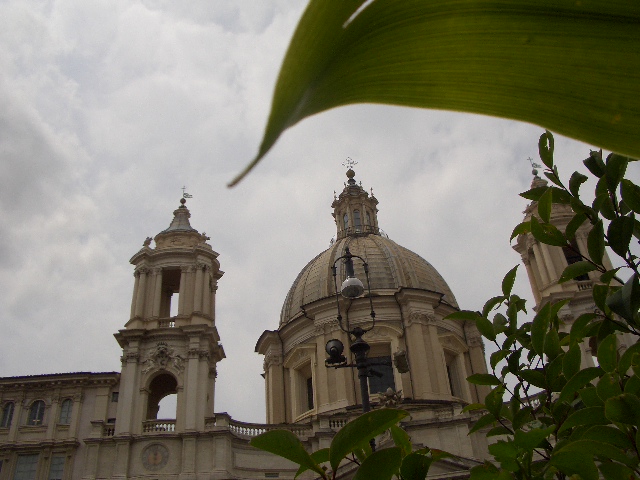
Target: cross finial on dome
x,y
534,167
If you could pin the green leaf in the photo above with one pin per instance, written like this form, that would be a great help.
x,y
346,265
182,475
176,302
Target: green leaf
x,y
575,181
534,377
485,420
575,223
285,444
575,270
608,353
496,357
615,167
544,206
608,387
595,164
607,276
358,432
585,416
319,457
381,465
545,149
463,315
594,447
575,463
580,325
589,397
624,408
615,471
473,406
595,242
521,229
547,233
508,281
552,344
578,381
493,401
486,471
483,379
539,328
577,75
619,234
485,327
535,193
401,439
415,466
626,301
608,434
531,439
624,364
630,194
491,304
571,361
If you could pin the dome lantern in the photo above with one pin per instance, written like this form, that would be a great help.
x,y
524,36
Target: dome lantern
x,y
354,210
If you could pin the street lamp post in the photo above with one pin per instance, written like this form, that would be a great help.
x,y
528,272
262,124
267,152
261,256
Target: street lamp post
x,y
352,287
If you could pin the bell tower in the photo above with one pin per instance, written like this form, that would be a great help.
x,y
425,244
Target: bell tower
x,y
170,343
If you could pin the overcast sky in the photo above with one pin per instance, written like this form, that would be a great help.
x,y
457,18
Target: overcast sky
x,y
108,108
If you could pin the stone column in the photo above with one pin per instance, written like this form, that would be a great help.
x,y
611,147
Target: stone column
x,y
128,391
535,288
141,294
52,417
157,296
275,387
191,388
544,276
182,292
206,289
462,369
134,298
16,420
478,364
75,414
437,356
548,261
199,287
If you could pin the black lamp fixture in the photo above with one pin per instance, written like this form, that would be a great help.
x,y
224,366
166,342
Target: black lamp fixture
x,y
352,287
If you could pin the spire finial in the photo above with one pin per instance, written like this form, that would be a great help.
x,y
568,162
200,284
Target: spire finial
x,y
534,167
349,163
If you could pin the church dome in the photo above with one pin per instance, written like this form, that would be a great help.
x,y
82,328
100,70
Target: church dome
x,y
391,266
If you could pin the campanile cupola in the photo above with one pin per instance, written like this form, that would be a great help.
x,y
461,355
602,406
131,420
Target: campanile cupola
x,y
354,210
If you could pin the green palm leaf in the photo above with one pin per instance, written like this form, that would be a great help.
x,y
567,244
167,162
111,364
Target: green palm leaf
x,y
571,66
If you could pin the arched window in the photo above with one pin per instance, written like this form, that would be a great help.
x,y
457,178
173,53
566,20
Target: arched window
x,y
7,415
65,412
572,255
356,220
368,219
36,413
345,219
160,387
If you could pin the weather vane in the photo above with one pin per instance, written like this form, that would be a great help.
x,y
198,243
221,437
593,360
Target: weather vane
x,y
534,166
185,194
349,163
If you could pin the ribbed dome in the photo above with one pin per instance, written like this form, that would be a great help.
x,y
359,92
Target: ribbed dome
x,y
391,267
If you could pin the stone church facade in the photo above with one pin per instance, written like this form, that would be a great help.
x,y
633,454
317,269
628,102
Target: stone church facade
x,y
104,425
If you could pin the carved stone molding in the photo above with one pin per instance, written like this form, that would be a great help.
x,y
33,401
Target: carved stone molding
x,y
272,359
143,270
78,397
204,355
156,271
213,372
132,357
193,353
201,266
163,356
475,341
422,318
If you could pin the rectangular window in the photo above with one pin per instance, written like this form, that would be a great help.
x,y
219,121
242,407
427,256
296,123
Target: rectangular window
x,y
114,396
56,470
310,393
382,375
26,467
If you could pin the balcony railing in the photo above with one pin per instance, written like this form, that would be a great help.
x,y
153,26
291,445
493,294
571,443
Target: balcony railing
x,y
159,426
585,285
360,230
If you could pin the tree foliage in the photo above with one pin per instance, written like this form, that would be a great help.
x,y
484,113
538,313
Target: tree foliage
x,y
548,417
552,418
569,66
